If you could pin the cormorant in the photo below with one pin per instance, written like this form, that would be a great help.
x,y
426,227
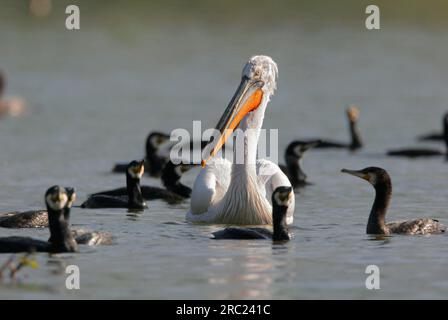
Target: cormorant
x,y
62,239
436,136
175,191
380,180
355,134
281,199
424,152
133,199
293,158
154,162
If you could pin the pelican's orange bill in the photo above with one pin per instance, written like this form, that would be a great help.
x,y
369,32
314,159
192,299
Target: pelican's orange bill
x,y
252,103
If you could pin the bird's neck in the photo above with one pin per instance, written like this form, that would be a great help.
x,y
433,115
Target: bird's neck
x,y
154,163
295,171
135,197
377,218
60,235
171,181
355,134
279,223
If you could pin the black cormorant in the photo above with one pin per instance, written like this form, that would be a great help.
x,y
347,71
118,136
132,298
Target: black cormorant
x,y
380,180
175,191
281,199
62,239
424,152
293,158
133,200
356,142
436,136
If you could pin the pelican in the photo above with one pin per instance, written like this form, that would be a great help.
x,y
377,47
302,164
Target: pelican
x,y
226,192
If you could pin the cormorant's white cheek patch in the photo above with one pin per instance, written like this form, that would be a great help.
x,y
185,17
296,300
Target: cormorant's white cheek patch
x,y
57,204
178,171
371,178
283,202
298,151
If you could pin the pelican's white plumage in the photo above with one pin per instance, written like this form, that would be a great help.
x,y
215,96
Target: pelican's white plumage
x,y
234,192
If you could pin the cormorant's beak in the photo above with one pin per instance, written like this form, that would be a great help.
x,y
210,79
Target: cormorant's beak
x,y
71,195
357,173
186,167
140,169
311,145
247,98
287,194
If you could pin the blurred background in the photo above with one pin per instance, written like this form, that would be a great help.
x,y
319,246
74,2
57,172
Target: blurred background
x,y
93,94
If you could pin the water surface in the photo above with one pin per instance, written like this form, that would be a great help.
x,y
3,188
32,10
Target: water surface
x,y
94,94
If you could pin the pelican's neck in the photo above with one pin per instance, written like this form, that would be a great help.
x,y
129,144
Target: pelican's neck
x,y
246,141
244,202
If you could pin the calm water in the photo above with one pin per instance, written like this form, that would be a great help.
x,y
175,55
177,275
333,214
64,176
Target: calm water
x,y
94,94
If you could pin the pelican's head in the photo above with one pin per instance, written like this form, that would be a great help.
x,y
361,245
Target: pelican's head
x,y
263,69
258,81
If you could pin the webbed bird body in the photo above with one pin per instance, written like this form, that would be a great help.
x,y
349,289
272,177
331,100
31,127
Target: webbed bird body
x,y
356,141
424,152
380,180
293,157
60,233
26,219
281,199
175,191
133,199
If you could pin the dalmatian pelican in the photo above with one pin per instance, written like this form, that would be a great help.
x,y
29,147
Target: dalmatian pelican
x,y
240,192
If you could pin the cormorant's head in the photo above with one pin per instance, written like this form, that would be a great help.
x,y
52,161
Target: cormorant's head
x,y
297,148
374,175
173,172
136,169
71,196
282,196
56,198
352,113
155,140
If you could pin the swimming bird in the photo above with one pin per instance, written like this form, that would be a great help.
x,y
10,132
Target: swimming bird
x,y
83,236
436,136
424,152
133,199
380,180
293,158
154,162
30,218
25,219
239,192
356,142
175,191
62,239
281,200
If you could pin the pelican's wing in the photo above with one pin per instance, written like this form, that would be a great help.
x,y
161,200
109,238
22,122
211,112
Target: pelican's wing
x,y
210,186
270,176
